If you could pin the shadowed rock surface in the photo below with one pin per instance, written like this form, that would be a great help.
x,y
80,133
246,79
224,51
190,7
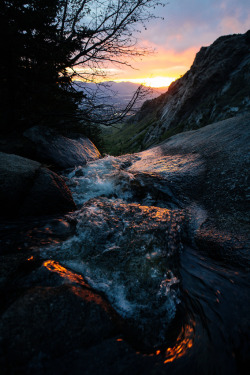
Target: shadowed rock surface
x,y
60,151
52,321
27,188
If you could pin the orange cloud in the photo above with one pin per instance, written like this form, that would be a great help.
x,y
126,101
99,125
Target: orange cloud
x,y
164,63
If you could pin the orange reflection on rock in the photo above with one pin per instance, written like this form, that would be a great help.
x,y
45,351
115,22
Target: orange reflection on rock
x,y
156,163
157,213
184,342
53,266
83,290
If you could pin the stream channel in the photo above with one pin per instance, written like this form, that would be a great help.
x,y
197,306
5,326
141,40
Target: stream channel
x,y
181,310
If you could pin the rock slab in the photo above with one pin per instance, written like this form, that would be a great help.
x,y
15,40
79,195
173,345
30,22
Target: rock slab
x,y
27,188
60,151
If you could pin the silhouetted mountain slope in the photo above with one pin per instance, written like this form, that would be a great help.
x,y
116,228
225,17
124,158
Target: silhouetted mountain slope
x,y
216,87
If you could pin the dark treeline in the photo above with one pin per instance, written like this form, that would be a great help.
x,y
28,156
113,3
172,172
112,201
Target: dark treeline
x,y
35,87
43,42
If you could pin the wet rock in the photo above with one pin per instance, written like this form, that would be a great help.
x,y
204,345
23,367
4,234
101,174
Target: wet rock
x,y
51,273
60,151
17,176
48,195
26,188
16,143
60,228
215,176
27,233
9,267
110,357
47,322
170,178
129,252
223,246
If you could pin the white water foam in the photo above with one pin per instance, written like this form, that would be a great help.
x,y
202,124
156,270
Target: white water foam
x,y
99,178
117,293
114,290
120,248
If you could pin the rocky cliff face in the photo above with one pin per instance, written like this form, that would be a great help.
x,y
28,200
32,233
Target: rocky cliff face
x,y
215,88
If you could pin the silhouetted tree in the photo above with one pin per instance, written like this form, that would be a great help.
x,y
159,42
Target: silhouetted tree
x,y
45,44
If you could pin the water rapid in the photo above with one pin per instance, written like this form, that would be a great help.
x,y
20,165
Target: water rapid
x,y
133,243
125,246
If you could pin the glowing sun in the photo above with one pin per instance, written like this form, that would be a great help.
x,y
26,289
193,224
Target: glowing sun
x,y
159,81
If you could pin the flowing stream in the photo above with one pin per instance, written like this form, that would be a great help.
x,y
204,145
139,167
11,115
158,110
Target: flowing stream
x,y
133,242
182,310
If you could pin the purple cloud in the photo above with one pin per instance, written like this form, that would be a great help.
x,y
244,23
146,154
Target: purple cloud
x,y
190,23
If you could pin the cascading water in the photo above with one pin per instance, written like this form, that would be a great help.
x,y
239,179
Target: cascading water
x,y
129,251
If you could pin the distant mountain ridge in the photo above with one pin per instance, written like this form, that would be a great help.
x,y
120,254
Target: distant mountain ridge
x,y
216,87
116,93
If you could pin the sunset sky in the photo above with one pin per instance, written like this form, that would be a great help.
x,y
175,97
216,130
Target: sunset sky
x,y
188,25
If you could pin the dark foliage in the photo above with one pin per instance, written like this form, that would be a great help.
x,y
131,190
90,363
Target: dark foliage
x,y
34,83
45,44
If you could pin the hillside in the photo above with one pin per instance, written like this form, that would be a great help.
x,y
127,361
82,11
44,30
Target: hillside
x,y
215,88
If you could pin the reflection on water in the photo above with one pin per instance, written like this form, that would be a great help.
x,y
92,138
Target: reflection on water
x,y
53,266
167,165
183,343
